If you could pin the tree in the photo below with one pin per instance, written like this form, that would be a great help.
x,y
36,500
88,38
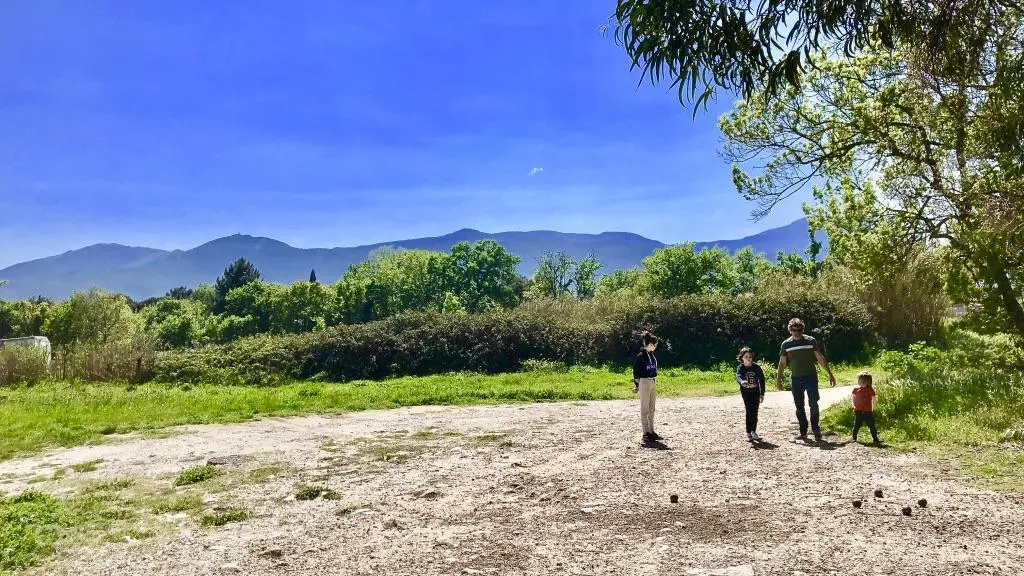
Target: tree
x,y
553,277
750,270
180,293
484,275
629,281
930,145
89,317
585,277
746,47
176,322
312,276
681,269
237,274
900,281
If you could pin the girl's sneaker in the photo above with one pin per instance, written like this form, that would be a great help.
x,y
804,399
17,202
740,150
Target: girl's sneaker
x,y
754,437
750,436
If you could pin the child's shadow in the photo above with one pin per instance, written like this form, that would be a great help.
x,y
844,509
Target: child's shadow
x,y
762,445
655,445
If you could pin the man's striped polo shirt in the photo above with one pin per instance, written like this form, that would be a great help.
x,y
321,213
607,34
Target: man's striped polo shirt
x,y
800,356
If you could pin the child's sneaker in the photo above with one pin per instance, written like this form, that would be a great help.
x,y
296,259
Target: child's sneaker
x,y
750,436
755,437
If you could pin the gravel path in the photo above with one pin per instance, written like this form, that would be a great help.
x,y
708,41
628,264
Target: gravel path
x,y
553,488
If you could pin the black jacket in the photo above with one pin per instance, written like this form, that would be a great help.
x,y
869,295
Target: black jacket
x,y
752,374
645,365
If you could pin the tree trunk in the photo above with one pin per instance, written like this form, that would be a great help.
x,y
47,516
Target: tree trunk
x,y
1013,307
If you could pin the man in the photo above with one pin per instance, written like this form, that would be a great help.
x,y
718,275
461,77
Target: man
x,y
801,353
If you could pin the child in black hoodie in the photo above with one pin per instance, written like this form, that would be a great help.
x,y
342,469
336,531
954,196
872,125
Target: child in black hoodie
x,y
750,377
645,372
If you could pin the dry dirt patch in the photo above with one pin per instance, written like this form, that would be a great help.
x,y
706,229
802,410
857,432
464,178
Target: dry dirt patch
x,y
548,488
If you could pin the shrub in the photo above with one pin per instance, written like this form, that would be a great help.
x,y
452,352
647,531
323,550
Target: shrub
x,y
968,393
697,330
20,365
196,474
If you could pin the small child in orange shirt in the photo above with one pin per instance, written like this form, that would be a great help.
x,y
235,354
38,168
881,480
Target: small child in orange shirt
x,y
863,400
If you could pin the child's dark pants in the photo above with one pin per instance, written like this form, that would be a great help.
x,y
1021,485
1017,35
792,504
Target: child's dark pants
x,y
751,400
865,418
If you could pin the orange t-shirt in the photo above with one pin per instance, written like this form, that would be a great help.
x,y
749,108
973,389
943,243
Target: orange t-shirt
x,y
862,399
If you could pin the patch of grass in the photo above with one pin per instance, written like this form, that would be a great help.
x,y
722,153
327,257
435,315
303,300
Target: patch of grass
x,y
89,466
196,474
222,517
183,503
347,510
393,453
950,410
29,525
264,473
122,536
109,486
89,411
309,492
330,445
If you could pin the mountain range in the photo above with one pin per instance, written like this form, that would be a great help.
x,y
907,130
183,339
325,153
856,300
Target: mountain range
x,y
141,272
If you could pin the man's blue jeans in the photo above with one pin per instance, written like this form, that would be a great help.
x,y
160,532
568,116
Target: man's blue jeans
x,y
808,385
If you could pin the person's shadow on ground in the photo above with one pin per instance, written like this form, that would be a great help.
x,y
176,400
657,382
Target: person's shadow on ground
x,y
763,445
655,445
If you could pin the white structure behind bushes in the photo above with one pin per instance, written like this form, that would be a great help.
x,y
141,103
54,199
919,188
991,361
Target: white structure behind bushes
x,y
41,342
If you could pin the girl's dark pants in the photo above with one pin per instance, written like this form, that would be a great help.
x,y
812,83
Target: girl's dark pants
x,y
751,400
865,418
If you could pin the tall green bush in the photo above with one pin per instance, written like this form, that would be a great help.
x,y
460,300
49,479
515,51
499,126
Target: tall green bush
x,y
697,330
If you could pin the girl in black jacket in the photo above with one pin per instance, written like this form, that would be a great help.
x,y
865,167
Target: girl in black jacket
x,y
750,377
645,372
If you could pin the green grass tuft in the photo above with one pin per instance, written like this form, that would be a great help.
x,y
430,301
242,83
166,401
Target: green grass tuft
x,y
196,474
222,517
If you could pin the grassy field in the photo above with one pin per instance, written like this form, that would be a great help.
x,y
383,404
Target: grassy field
x,y
68,414
957,416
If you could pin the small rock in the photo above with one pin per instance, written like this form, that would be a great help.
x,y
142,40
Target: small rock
x,y
857,503
229,460
906,511
878,493
392,525
674,498
231,569
273,553
922,503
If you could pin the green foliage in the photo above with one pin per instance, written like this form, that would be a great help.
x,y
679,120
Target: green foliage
x,y
680,270
700,330
90,317
930,141
559,275
196,474
967,393
222,517
29,523
306,493
19,365
897,276
484,275
23,317
236,275
177,323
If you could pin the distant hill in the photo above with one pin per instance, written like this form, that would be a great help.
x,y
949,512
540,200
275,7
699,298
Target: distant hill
x,y
144,272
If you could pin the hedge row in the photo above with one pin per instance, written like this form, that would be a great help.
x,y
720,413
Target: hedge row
x,y
697,330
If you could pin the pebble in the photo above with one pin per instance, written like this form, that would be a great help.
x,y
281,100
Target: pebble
x,y
231,569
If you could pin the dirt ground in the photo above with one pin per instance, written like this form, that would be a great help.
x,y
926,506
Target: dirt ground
x,y
551,489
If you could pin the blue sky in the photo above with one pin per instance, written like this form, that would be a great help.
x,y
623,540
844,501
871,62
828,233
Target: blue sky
x,y
321,123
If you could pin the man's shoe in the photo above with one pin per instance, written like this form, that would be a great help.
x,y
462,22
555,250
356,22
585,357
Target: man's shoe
x,y
755,437
656,436
817,436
